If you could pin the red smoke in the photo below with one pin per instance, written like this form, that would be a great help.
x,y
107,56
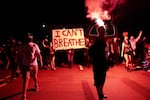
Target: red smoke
x,y
101,9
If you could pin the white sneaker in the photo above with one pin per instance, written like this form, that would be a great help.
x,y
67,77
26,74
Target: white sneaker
x,y
81,67
138,67
148,70
53,68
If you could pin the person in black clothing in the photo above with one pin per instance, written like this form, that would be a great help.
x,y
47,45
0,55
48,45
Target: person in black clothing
x,y
127,53
99,64
46,52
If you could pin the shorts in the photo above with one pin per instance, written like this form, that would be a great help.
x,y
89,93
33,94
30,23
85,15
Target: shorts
x,y
29,71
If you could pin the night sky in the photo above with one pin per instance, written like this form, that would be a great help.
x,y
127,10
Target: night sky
x,y
22,16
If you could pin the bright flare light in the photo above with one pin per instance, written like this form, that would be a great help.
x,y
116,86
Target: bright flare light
x,y
99,22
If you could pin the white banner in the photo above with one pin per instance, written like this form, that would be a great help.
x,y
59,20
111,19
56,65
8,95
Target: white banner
x,y
68,38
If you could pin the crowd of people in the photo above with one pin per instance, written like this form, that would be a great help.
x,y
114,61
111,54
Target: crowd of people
x,y
28,56
134,51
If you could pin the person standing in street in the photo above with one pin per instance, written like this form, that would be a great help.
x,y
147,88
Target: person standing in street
x,y
29,55
99,64
52,56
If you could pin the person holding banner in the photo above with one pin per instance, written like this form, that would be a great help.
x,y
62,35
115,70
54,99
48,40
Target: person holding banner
x,y
46,53
52,56
70,55
99,62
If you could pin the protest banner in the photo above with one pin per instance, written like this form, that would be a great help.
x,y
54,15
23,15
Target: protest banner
x,y
68,38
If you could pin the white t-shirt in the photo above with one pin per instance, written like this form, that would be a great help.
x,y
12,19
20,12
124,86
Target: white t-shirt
x,y
29,53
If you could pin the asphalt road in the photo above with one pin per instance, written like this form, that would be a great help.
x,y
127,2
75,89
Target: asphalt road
x,y
74,84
